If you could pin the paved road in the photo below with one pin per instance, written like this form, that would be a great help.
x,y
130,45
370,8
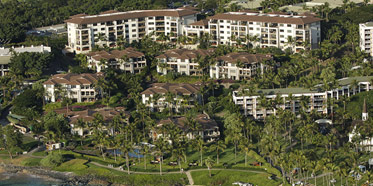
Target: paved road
x,y
188,173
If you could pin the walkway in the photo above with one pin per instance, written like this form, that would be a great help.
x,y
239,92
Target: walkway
x,y
188,173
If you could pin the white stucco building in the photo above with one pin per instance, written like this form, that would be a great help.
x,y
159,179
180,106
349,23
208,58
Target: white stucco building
x,y
108,28
128,60
239,66
366,37
317,100
78,87
6,54
270,29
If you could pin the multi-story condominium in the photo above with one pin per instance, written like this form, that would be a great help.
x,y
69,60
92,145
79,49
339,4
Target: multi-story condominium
x,y
291,97
239,66
128,60
6,54
173,96
88,116
86,31
182,61
208,130
78,87
272,29
366,37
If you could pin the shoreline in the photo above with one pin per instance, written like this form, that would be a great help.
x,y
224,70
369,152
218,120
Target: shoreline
x,y
61,178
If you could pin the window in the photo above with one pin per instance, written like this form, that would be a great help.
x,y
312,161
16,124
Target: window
x,y
221,21
94,24
222,32
102,29
133,30
289,31
251,28
134,35
289,25
103,23
151,23
73,86
281,24
221,26
251,23
133,25
281,30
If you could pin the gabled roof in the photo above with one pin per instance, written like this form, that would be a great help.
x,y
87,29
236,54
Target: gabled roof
x,y
88,114
116,54
203,22
73,79
181,122
269,18
176,88
244,57
112,16
185,53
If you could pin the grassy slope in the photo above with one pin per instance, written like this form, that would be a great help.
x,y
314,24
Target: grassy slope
x,y
226,178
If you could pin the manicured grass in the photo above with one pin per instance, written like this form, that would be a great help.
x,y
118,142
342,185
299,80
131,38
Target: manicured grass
x,y
41,153
73,165
29,143
226,178
31,162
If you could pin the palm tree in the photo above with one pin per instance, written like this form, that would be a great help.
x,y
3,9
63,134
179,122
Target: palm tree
x,y
245,148
170,99
291,41
162,145
219,146
209,163
126,148
81,124
100,139
199,144
145,151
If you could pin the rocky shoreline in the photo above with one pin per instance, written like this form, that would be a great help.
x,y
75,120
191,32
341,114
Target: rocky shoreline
x,y
64,178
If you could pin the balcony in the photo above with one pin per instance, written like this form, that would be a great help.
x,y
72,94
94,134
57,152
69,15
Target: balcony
x,y
159,18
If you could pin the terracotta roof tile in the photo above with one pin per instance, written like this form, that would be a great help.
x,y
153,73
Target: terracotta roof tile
x,y
269,18
73,79
244,57
176,88
129,15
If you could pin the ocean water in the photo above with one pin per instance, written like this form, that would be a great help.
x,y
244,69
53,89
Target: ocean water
x,y
24,180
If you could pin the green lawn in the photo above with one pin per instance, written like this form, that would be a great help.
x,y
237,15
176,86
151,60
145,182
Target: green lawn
x,y
226,178
74,165
29,143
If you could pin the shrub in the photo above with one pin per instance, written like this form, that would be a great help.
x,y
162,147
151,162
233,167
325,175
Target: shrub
x,y
52,160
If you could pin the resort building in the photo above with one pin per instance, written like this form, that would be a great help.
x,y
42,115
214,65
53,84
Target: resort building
x,y
88,116
292,98
366,37
78,87
279,30
128,60
239,66
182,61
111,27
207,128
172,96
6,54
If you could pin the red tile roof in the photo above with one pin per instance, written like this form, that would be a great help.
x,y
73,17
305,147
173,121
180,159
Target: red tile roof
x,y
176,88
129,15
73,79
185,53
269,18
116,54
244,57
